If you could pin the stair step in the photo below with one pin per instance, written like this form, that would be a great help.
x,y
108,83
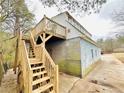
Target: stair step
x,y
35,68
34,62
34,59
39,73
31,55
43,88
31,50
40,80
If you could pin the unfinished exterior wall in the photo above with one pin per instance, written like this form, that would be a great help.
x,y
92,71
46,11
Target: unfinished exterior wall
x,y
89,54
66,53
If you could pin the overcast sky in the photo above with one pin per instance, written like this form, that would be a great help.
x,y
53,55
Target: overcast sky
x,y
99,25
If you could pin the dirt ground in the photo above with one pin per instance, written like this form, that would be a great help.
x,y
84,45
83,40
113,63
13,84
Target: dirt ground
x,y
9,84
107,77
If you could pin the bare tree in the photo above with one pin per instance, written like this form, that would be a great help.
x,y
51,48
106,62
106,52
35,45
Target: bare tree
x,y
118,17
77,6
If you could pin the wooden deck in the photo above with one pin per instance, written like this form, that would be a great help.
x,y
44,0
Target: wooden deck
x,y
49,27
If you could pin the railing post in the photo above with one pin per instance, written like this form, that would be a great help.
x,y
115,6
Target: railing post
x,y
57,78
43,47
30,82
45,23
43,54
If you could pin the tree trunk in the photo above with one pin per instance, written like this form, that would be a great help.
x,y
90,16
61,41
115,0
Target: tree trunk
x,y
17,34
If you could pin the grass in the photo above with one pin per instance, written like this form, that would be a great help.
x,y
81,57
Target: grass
x,y
119,56
7,47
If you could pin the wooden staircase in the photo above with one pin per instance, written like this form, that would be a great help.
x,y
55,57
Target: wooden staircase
x,y
40,79
37,72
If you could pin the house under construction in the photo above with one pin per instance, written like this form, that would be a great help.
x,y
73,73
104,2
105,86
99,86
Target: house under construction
x,y
60,42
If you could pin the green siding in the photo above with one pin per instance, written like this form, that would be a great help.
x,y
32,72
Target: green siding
x,y
67,55
71,67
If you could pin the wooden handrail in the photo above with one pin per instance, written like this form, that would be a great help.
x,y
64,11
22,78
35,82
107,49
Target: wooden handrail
x,y
26,68
32,39
26,54
52,70
49,57
37,48
55,22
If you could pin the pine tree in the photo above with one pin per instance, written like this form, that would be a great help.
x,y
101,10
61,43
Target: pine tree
x,y
15,16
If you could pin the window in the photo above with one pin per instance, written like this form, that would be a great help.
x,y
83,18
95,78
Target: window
x,y
92,53
96,52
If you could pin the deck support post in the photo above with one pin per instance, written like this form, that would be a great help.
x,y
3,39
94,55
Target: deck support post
x,y
44,39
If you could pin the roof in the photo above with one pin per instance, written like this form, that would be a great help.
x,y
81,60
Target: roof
x,y
69,15
86,38
89,40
